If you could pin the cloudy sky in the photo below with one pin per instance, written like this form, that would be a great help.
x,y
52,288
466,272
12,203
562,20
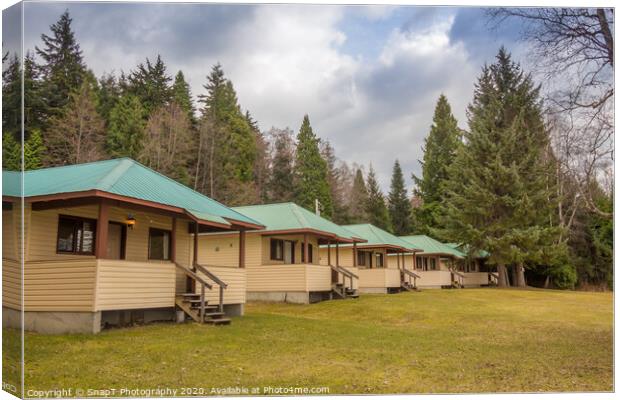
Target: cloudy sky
x,y
368,76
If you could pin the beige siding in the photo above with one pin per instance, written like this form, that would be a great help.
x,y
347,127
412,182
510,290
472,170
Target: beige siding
x,y
476,278
276,278
433,278
318,278
379,277
126,285
11,284
10,225
234,293
345,256
60,285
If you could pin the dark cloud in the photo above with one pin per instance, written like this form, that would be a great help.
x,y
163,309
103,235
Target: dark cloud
x,y
12,30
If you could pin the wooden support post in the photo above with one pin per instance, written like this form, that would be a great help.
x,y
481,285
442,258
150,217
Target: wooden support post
x,y
354,254
305,255
173,240
242,248
195,243
221,305
329,252
101,238
202,303
337,255
398,260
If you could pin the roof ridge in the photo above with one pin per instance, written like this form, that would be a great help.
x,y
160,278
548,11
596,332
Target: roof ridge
x,y
76,165
112,177
300,218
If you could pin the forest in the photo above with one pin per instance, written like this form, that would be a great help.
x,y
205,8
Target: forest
x,y
530,179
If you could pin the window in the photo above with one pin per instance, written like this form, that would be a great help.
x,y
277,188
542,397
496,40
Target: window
x,y
277,250
379,260
159,244
309,260
361,258
75,235
418,262
433,264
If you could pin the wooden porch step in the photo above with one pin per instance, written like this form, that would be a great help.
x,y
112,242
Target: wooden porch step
x,y
214,315
218,321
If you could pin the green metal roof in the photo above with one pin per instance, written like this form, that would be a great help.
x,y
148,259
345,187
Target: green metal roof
x,y
432,246
290,216
376,236
465,249
124,177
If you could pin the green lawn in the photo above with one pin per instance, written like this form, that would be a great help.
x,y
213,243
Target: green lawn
x,y
437,341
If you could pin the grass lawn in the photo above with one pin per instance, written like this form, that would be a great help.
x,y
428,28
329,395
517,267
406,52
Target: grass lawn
x,y
435,341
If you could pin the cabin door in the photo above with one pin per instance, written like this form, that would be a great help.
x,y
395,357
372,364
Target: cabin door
x,y
289,252
116,239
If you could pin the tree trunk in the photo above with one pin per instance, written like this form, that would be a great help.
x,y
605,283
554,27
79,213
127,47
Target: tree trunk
x,y
520,274
513,272
502,280
547,281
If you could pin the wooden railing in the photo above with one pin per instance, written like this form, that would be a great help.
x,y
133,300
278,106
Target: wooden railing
x,y
203,285
222,285
345,274
493,278
460,277
407,274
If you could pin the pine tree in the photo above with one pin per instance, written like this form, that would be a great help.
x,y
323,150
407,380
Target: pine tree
x,y
311,172
150,83
439,151
182,96
34,151
399,205
498,193
358,200
125,137
11,152
108,96
281,183
227,146
63,66
77,135
376,210
12,99
261,163
338,185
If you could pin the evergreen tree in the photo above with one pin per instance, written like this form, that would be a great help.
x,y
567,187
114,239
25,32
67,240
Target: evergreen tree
x,y
281,183
108,96
338,185
497,194
11,152
63,66
77,135
439,151
398,203
261,163
359,199
376,210
12,99
34,151
150,83
182,96
227,145
125,137
311,172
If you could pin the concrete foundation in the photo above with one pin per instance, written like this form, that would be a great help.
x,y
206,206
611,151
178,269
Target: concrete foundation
x,y
280,297
379,290
234,310
53,322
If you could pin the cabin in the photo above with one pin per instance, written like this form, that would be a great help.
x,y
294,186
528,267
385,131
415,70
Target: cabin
x,y
369,260
440,265
474,267
111,243
282,260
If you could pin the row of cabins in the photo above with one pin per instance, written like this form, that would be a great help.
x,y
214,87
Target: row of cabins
x,y
113,242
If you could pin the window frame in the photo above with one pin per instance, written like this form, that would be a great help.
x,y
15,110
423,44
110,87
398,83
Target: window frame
x,y
75,249
379,257
310,259
277,242
169,232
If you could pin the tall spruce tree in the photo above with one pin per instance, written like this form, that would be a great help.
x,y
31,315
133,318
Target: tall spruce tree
x,y
11,152
338,185
311,172
497,194
376,210
281,182
150,82
34,151
182,95
63,66
125,136
359,199
227,145
399,204
439,151
108,95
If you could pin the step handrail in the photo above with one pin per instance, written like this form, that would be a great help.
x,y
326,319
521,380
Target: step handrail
x,y
344,271
203,285
211,275
457,273
411,273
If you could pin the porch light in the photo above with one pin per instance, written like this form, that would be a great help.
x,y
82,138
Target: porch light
x,y
130,221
